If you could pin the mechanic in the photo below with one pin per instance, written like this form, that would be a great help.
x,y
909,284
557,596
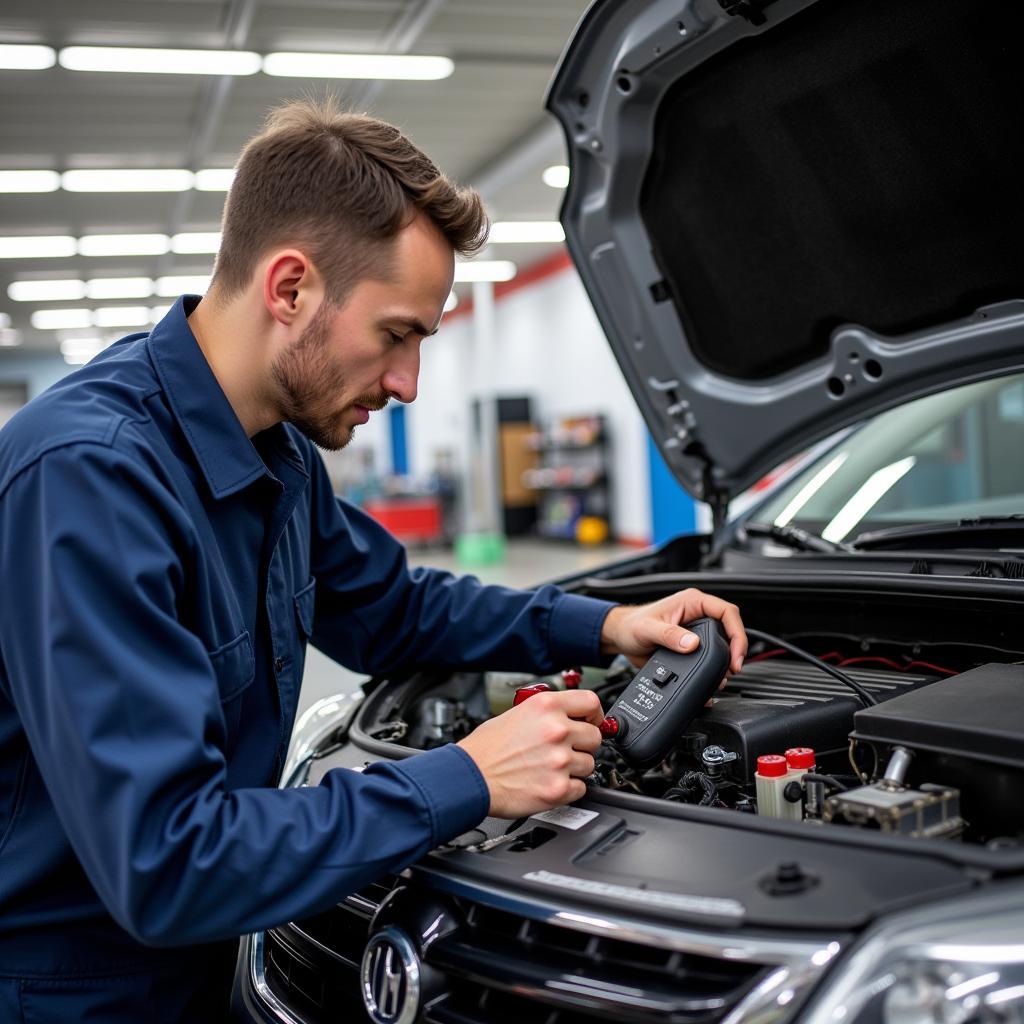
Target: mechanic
x,y
169,543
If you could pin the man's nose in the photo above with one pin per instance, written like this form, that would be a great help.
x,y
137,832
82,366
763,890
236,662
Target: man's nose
x,y
401,378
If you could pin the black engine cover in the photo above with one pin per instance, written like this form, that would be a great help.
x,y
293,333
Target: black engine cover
x,y
775,704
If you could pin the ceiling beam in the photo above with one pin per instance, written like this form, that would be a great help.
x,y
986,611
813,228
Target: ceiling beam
x,y
213,98
540,144
402,35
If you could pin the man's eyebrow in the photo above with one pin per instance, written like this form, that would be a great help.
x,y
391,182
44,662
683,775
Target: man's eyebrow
x,y
417,325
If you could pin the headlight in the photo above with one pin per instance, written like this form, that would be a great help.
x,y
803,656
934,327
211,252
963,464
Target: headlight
x,y
327,718
960,962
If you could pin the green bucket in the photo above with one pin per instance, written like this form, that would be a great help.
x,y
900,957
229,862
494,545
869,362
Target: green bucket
x,y
472,549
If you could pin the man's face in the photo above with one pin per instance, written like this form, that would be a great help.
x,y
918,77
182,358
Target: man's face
x,y
351,360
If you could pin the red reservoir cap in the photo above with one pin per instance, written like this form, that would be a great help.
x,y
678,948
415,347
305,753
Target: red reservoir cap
x,y
771,765
800,757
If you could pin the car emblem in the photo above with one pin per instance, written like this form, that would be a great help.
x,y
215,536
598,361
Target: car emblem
x,y
391,978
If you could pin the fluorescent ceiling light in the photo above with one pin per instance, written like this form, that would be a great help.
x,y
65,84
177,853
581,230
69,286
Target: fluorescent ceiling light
x,y
196,242
526,231
80,350
26,58
119,288
121,316
137,60
5,320
866,497
46,291
9,338
24,247
556,176
123,245
485,270
60,319
29,181
157,313
214,179
357,65
160,179
172,287
450,303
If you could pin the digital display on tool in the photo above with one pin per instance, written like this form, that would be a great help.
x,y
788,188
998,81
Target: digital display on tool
x,y
667,693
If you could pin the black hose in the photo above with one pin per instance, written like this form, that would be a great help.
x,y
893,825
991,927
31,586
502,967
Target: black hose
x,y
828,780
689,785
865,698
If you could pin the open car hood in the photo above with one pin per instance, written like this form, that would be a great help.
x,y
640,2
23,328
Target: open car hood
x,y
792,214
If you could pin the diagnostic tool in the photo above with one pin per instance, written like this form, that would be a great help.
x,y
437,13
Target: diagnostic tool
x,y
667,694
664,696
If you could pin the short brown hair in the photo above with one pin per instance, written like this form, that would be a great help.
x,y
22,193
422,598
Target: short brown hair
x,y
340,186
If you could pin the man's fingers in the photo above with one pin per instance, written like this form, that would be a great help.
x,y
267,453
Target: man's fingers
x,y
577,791
584,705
585,736
581,765
737,637
729,615
658,633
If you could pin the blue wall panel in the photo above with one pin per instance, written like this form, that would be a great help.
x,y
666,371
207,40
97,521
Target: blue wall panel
x,y
399,446
673,511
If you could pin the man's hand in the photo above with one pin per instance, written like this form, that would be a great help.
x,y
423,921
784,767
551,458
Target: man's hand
x,y
636,630
537,755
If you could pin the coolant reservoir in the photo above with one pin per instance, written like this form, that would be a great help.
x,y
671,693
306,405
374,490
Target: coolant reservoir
x,y
501,689
771,780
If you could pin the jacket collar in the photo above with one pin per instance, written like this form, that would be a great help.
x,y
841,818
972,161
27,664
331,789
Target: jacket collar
x,y
225,454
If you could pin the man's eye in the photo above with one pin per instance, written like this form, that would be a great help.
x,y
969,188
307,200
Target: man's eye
x,y
395,339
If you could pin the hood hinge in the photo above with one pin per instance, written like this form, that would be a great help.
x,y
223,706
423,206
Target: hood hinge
x,y
749,10
687,440
718,500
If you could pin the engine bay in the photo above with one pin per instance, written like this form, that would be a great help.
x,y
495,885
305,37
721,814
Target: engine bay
x,y
935,750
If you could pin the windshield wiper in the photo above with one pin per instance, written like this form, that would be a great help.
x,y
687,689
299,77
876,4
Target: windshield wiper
x,y
997,531
794,537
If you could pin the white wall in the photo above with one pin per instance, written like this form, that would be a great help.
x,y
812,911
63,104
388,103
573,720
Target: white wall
x,y
549,346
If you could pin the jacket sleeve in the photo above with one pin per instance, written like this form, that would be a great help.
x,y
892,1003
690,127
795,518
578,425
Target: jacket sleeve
x,y
375,614
122,713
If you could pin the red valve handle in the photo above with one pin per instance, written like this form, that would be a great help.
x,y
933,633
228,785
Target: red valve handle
x,y
609,727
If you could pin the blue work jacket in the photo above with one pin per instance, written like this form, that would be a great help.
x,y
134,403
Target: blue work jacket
x,y
162,574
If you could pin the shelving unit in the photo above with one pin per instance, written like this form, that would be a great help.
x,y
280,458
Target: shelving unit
x,y
572,481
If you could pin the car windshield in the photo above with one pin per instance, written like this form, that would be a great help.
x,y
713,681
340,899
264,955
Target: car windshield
x,y
950,456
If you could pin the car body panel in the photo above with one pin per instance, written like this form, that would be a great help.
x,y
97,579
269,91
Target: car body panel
x,y
725,401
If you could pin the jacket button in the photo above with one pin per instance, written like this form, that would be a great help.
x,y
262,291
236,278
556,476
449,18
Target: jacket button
x,y
278,664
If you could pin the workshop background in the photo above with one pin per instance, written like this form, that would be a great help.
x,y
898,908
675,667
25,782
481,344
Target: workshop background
x,y
525,457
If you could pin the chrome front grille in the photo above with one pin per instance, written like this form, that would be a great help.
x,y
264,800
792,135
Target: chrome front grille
x,y
499,961
500,966
311,966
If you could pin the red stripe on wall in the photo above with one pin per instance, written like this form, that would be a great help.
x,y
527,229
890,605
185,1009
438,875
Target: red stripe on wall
x,y
551,265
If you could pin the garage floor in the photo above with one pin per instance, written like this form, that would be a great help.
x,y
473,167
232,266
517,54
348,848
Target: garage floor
x,y
527,563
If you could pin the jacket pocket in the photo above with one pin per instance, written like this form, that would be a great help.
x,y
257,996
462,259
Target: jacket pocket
x,y
305,601
234,665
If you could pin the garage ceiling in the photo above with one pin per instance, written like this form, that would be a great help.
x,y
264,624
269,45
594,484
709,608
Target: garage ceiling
x,y
484,125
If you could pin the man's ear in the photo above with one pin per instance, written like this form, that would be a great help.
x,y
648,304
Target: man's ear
x,y
292,289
